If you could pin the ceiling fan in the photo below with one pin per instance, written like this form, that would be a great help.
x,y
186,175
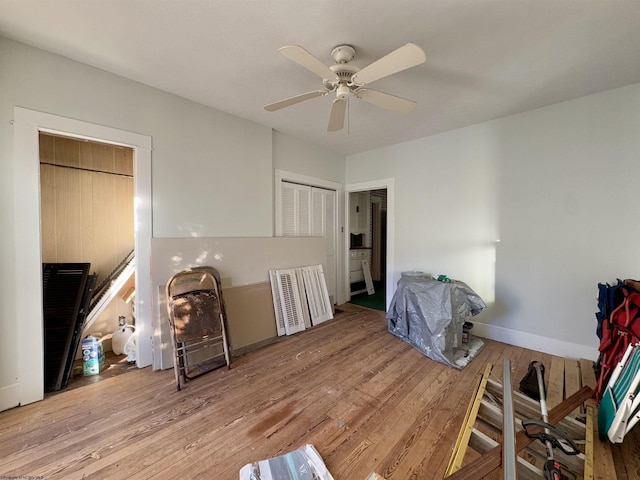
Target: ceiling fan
x,y
344,78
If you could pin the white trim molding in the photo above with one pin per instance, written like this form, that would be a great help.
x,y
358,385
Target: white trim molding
x,y
531,341
9,396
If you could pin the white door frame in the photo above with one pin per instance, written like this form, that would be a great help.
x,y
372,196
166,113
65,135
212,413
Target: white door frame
x,y
387,183
28,302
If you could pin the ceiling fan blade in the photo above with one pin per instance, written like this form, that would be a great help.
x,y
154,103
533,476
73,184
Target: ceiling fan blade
x,y
272,107
404,57
336,117
386,101
308,61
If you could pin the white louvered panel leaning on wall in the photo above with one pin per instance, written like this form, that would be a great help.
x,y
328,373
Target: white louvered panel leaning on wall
x,y
303,297
277,304
317,294
300,298
290,301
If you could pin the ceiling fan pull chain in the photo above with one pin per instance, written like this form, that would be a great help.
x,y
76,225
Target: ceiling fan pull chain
x,y
348,117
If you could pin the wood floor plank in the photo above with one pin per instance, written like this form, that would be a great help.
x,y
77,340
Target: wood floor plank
x,y
587,375
274,415
603,460
626,457
435,421
571,379
555,388
365,399
403,425
67,414
267,426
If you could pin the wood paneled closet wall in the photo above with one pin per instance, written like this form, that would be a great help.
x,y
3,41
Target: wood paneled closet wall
x,y
87,211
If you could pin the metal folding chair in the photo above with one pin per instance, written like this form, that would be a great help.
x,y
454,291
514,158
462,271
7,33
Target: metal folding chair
x,y
198,323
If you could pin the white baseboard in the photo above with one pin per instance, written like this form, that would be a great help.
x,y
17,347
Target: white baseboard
x,y
532,341
9,397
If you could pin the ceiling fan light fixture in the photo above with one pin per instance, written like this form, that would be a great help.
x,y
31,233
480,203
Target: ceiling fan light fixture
x,y
342,92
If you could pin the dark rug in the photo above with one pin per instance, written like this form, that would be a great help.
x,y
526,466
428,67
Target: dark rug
x,y
375,301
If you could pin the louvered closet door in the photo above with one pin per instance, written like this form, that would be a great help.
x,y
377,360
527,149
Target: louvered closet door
x,y
311,211
296,210
324,224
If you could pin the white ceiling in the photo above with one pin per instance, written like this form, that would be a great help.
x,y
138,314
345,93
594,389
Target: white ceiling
x,y
485,58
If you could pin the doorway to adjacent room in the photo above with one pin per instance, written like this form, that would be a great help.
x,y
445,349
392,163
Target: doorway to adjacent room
x,y
368,248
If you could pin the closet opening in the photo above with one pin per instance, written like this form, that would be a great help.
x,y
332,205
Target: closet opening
x,y
88,260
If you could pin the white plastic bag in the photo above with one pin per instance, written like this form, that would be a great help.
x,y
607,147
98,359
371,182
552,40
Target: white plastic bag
x,y
305,463
130,347
120,338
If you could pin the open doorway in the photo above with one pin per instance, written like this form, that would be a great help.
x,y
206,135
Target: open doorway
x,y
87,250
28,318
368,248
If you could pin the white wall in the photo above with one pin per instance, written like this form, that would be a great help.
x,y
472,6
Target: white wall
x,y
557,186
200,157
297,156
199,153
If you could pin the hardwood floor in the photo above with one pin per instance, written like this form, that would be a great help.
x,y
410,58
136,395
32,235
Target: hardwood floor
x,y
366,400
